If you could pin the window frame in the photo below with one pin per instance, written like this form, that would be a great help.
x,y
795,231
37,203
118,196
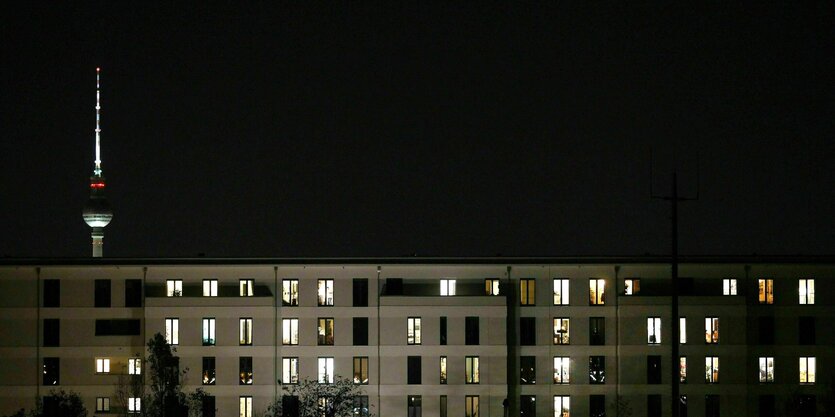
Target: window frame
x,y
245,406
561,292
471,406
766,369
806,291
654,330
287,326
527,291
290,292
492,286
631,286
448,287
711,330
597,360
562,405
324,292
564,326
597,291
808,363
134,405
443,373
472,371
209,333
209,371
325,377
134,366
102,404
245,331
246,287
324,332
730,286
290,370
245,370
682,330
711,369
765,290
413,331
172,330
210,287
102,366
361,373
562,370
682,369
173,287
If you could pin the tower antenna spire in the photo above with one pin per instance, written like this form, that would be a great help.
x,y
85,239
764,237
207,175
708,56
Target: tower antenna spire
x,y
97,212
97,170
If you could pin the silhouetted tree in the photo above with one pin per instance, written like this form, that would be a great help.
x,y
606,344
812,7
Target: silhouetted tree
x,y
314,399
166,398
56,404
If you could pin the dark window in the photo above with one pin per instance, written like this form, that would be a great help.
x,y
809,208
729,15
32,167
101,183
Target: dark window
x,y
443,330
102,293
597,369
394,286
767,406
527,406
471,330
51,332
117,327
208,370
527,331
361,406
528,372
209,406
653,405
597,331
682,406
133,295
766,330
360,292
51,293
653,369
246,370
51,371
597,406
290,405
51,405
443,406
806,329
712,406
360,331
413,370
807,405
414,406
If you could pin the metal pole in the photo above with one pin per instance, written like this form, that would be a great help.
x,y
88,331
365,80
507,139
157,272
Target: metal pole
x,y
674,288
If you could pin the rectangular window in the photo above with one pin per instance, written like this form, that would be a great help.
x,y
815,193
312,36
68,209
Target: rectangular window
x,y
527,406
361,370
325,370
134,366
471,330
562,406
766,369
561,331
208,370
172,330
102,365
654,330
360,292
51,371
729,286
766,330
245,370
560,291
471,406
527,331
208,331
414,406
174,288
325,292
360,331
527,291
210,288
289,292
443,330
207,406
561,365
711,405
413,374
133,293
51,293
766,291
807,369
325,331
682,330
806,330
527,376
471,370
597,406
807,291
443,370
102,293
245,406
325,404
631,286
597,331
597,291
491,286
134,405
117,327
361,406
682,406
443,406
413,331
711,330
597,369
654,405
290,370
102,404
711,369
653,369
247,287
767,408
289,331
447,287
245,333
682,369
51,332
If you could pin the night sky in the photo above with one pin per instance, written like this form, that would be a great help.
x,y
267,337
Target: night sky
x,y
351,129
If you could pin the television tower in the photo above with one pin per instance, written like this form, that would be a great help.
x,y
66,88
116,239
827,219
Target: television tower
x,y
97,213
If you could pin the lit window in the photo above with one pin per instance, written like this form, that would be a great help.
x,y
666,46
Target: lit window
x,y
290,331
491,286
561,331
208,370
361,369
562,406
561,365
245,370
807,291
597,291
245,406
682,330
807,370
102,365
560,291
290,370
682,369
631,286
443,370
325,331
208,331
325,406
471,368
174,288
729,286
447,287
134,405
471,406
413,331
325,371
654,330
766,369
325,292
247,287
172,331
597,369
134,366
766,291
245,331
210,288
527,291
711,330
102,404
711,369
290,292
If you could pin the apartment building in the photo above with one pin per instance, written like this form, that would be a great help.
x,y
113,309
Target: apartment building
x,y
473,337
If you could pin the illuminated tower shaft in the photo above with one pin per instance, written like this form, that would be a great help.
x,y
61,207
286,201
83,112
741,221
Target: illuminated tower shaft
x,y
97,213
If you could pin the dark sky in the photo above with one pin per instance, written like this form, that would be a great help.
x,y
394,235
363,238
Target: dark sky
x,y
352,129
